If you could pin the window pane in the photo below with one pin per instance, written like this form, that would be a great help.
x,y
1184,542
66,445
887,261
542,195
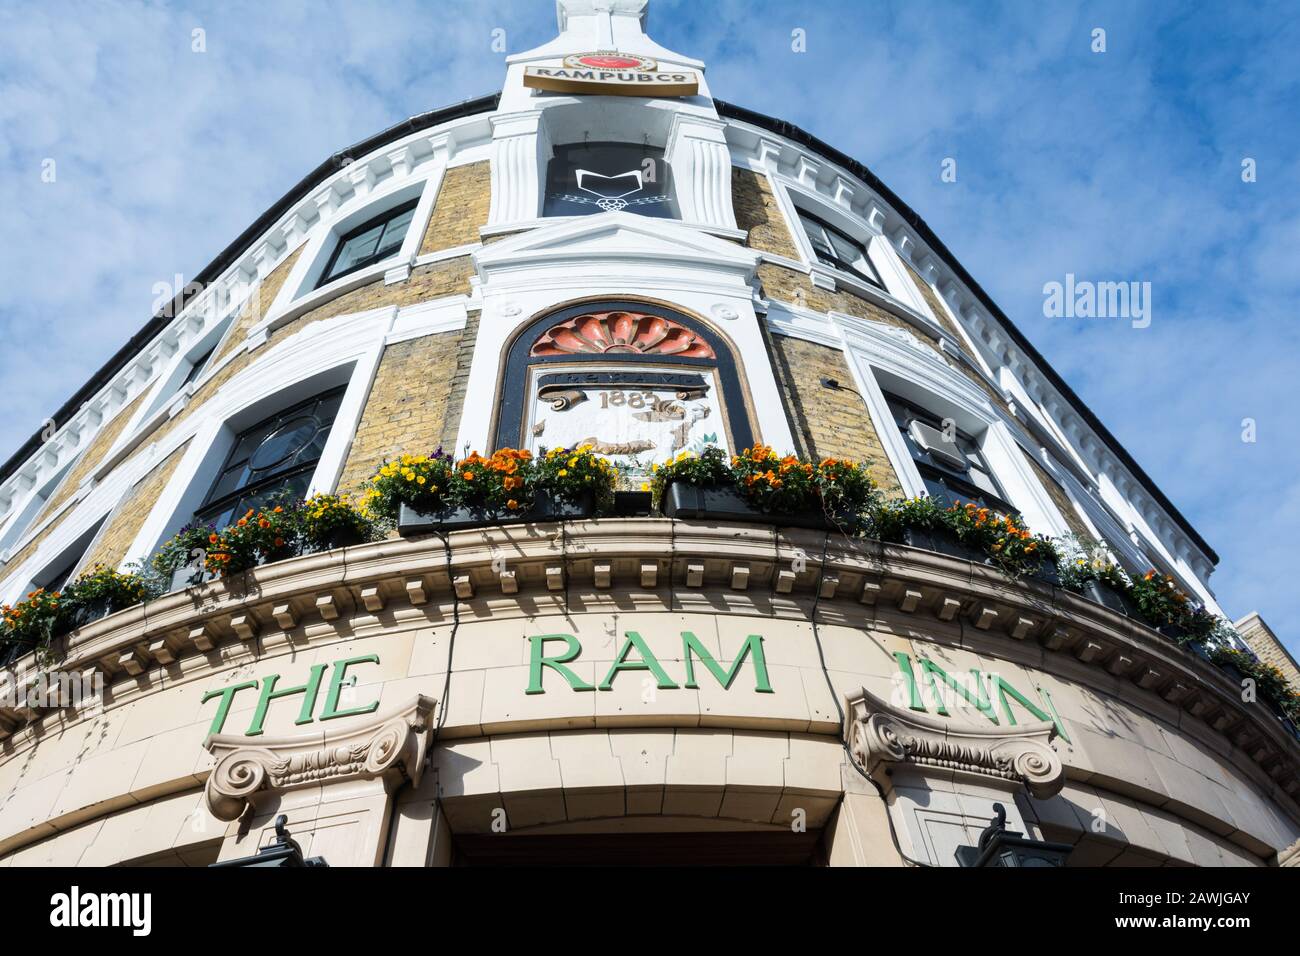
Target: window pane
x,y
584,179
984,482
847,250
395,232
278,454
357,249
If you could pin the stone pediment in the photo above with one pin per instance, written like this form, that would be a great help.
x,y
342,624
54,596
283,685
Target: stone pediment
x,y
621,237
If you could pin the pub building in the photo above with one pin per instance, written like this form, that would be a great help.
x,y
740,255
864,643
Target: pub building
x,y
604,258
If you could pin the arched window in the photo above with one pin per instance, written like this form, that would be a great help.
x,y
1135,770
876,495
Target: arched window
x,y
640,382
274,457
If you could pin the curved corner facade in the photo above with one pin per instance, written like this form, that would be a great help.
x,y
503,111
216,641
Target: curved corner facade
x,y
605,253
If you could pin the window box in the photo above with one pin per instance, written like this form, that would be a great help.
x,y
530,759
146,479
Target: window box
x,y
695,503
942,541
89,613
79,618
1233,674
545,508
341,538
1200,650
13,650
633,504
187,576
1291,728
1047,572
1174,632
1107,596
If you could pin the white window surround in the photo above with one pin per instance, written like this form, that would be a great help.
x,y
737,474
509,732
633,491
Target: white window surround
x,y
310,355
20,523
73,553
618,255
315,256
167,397
900,294
342,355
885,355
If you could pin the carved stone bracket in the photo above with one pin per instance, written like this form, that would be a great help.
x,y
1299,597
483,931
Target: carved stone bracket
x,y
878,732
396,741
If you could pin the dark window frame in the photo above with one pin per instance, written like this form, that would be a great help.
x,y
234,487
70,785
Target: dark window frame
x,y
830,258
211,507
198,365
561,160
379,255
958,488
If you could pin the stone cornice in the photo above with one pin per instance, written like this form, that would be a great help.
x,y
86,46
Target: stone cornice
x,y
878,733
396,741
645,562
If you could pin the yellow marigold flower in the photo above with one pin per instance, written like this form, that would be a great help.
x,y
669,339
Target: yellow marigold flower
x,y
563,472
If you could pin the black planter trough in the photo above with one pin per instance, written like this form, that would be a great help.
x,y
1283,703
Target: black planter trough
x,y
545,508
1174,632
83,615
1107,596
633,504
1047,573
341,538
696,503
1289,724
942,541
186,576
1233,674
13,650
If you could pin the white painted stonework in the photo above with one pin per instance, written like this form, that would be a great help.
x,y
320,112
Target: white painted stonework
x,y
1116,724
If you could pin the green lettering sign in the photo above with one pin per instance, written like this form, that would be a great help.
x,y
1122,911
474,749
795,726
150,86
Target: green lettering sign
x,y
648,662
336,686
227,694
538,660
645,660
269,693
979,699
691,647
310,690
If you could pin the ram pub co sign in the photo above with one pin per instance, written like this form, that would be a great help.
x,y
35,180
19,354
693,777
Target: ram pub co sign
x,y
612,74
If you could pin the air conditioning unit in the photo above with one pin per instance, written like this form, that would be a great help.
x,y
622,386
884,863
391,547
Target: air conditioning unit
x,y
944,452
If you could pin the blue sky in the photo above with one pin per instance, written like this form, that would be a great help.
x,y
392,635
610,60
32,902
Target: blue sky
x,y
1122,165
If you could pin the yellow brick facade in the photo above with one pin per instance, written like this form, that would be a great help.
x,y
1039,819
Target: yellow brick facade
x,y
111,546
462,207
827,422
407,410
759,215
1261,639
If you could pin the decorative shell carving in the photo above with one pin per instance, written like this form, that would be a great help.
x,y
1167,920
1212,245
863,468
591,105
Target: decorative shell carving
x,y
629,333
